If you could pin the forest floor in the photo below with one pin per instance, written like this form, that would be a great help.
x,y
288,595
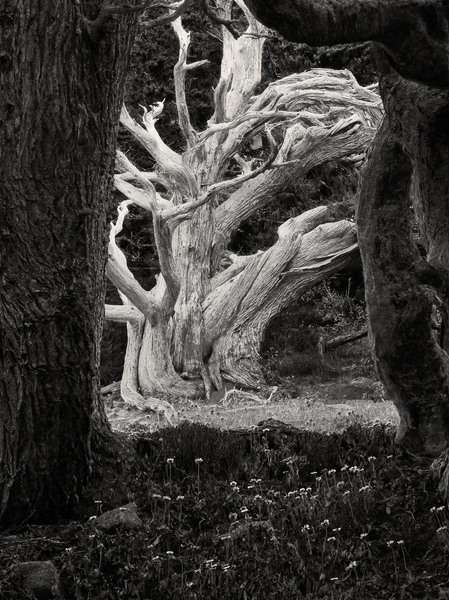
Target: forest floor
x,y
329,406
274,512
297,493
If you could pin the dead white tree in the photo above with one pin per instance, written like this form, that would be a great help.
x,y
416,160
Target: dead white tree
x,y
204,320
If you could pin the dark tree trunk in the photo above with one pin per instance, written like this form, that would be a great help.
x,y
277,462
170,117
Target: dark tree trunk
x,y
59,108
411,364
409,166
402,289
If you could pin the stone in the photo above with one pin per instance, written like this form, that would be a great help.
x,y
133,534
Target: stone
x,y
40,577
124,517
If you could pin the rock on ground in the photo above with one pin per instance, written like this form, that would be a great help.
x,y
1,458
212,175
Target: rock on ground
x,y
39,577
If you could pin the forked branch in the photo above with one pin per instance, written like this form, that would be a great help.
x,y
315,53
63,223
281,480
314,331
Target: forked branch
x,y
236,181
179,72
170,162
119,274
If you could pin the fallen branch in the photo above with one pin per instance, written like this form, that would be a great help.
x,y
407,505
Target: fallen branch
x,y
340,340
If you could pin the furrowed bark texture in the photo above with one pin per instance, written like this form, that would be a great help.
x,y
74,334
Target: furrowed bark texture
x,y
59,108
408,166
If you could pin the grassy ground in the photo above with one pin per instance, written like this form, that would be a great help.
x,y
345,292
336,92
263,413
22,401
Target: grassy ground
x,y
273,512
315,405
322,507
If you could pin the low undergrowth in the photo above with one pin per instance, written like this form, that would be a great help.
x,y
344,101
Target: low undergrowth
x,y
268,513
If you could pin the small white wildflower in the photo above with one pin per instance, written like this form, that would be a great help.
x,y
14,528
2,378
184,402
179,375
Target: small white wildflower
x,y
331,539
336,529
390,543
363,536
371,458
332,472
441,529
170,461
400,542
198,461
169,553
233,483
440,508
352,565
243,509
325,523
180,498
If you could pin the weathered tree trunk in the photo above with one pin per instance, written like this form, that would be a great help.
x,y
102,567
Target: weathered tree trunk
x,y
205,320
238,313
59,108
402,289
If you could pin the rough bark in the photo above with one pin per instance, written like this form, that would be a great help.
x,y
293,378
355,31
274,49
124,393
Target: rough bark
x,y
59,108
412,148
412,32
410,362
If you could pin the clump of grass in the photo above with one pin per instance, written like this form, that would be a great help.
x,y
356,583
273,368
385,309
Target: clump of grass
x,y
270,512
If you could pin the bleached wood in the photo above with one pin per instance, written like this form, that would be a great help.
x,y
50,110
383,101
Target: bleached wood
x,y
179,72
210,308
121,314
119,274
169,161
